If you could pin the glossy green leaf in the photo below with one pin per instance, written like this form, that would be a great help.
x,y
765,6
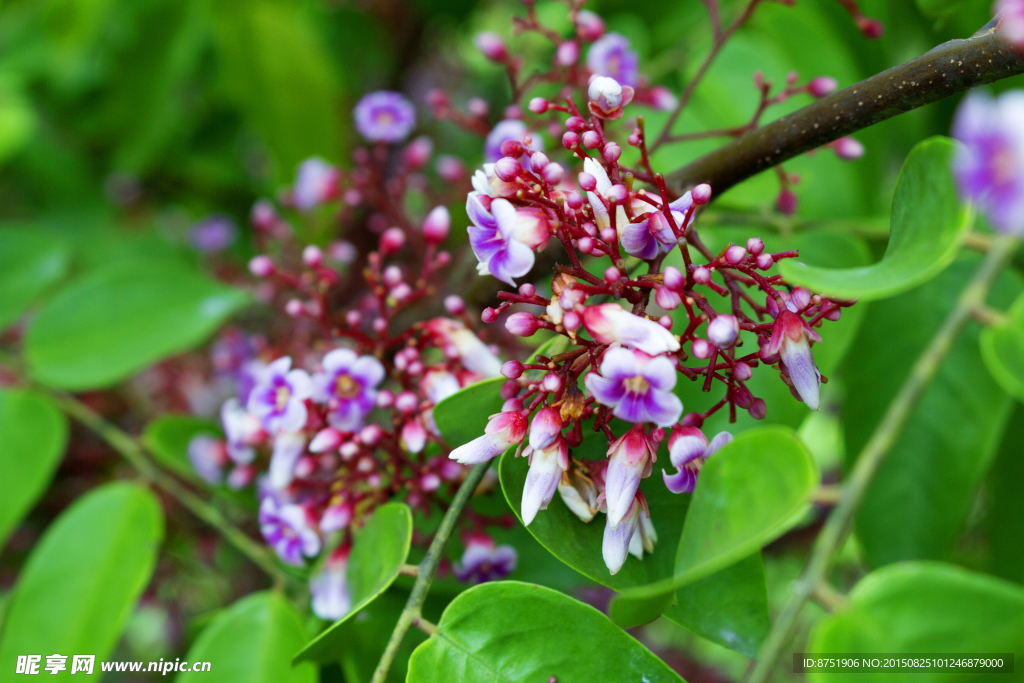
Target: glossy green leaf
x,y
1002,349
923,607
30,263
33,434
929,477
732,514
168,437
927,224
462,416
512,632
80,584
378,552
252,642
111,324
1004,513
739,621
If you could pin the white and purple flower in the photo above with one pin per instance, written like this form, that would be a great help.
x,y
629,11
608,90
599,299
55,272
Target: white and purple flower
x,y
482,561
503,430
329,588
278,399
549,458
243,431
472,353
989,166
637,387
611,56
653,235
688,448
619,536
384,116
608,323
348,387
209,457
288,531
514,130
316,183
213,234
504,238
630,459
1011,21
790,339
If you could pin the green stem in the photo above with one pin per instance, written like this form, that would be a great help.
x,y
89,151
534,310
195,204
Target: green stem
x,y
427,569
131,451
884,437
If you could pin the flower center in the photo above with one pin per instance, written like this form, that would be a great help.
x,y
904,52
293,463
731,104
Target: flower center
x,y
637,384
346,387
385,117
281,396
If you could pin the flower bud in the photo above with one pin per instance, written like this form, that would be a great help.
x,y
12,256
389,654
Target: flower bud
x,y
450,168
735,254
506,169
612,275
522,324
701,194
370,435
574,200
488,315
701,349
848,148
801,298
417,153
667,298
787,202
576,124
261,266
570,140
591,139
392,240
538,105
608,235
755,246
568,53
822,86
406,402
478,106
587,181
328,439
552,383
552,174
312,256
723,331
454,305
589,26
492,46
436,225
512,369
611,152
571,321
294,308
765,261
619,193
702,275
758,410
742,372
392,275
673,279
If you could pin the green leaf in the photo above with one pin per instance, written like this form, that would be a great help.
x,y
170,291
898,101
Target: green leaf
x,y
511,631
168,437
923,607
30,263
1004,513
252,642
80,584
732,514
928,479
938,9
33,434
462,416
378,552
928,223
740,622
1002,349
113,323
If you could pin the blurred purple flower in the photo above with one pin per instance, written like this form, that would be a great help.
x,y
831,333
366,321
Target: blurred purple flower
x,y
277,399
329,589
209,457
989,166
286,529
384,116
348,385
315,183
482,561
610,56
509,129
213,234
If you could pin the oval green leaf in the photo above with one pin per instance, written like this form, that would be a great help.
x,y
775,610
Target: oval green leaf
x,y
33,434
739,622
924,607
252,642
378,552
168,437
81,582
1002,349
928,222
511,632
113,323
462,416
30,263
732,514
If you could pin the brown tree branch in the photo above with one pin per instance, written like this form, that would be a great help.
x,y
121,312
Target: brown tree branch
x,y
948,69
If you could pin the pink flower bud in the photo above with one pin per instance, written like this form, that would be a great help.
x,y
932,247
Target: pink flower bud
x,y
406,402
263,216
571,321
723,331
667,298
758,409
522,324
511,148
833,314
765,261
417,153
591,139
342,251
507,169
589,26
551,383
478,106
633,139
545,427
742,397
567,53
576,124
735,254
673,279
611,152
822,86
619,193
848,148
587,181
513,111
701,349
392,275
552,174
570,140
538,105
294,308
312,256
527,289
401,291
380,325
574,200
512,369
801,298
701,194
755,246
612,274
385,398
492,46
586,245
871,28
436,225
702,275
454,305
509,390
608,235
392,240
742,372
787,202
261,266
488,315
370,435
538,161
326,440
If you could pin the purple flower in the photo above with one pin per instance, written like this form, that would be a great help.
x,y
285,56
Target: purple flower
x,y
546,467
213,234
482,561
315,183
1011,18
608,323
279,395
610,56
637,387
288,448
688,448
502,430
209,457
243,431
989,167
504,238
286,529
790,335
653,235
617,536
509,129
348,385
630,459
329,589
384,116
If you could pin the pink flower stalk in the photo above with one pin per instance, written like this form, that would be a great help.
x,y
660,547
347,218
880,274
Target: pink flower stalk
x,y
790,335
688,448
608,323
630,459
503,430
637,387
